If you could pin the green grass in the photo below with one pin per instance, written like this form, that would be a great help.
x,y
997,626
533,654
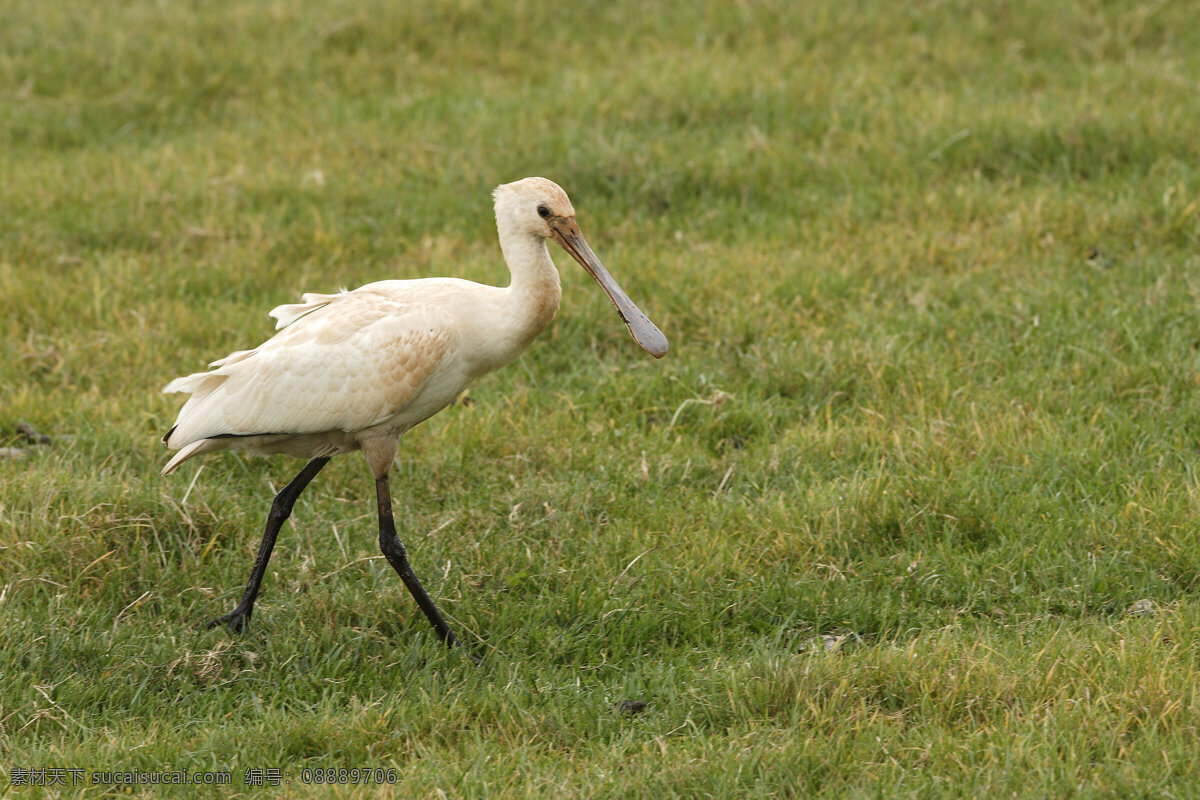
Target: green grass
x,y
930,276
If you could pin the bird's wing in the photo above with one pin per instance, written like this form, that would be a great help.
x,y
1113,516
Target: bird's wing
x,y
352,362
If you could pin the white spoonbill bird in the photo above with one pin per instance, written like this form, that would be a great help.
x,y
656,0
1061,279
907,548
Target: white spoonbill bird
x,y
355,370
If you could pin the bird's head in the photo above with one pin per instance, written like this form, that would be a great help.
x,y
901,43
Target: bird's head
x,y
541,208
533,205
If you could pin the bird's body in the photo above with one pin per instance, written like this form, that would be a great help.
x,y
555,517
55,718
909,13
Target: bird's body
x,y
352,368
355,370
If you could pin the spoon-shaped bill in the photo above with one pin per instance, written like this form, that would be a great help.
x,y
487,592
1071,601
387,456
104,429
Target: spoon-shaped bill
x,y
645,333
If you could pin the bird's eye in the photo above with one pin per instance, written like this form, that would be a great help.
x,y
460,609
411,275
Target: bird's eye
x,y
543,212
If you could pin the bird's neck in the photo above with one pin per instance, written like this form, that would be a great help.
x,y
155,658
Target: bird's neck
x,y
535,290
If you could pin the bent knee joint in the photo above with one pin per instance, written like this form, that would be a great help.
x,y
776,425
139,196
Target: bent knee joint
x,y
279,513
393,548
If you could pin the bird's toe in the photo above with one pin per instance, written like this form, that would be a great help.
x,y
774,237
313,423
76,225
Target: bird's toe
x,y
234,620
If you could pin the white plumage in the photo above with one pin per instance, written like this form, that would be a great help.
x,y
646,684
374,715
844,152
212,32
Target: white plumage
x,y
388,354
355,370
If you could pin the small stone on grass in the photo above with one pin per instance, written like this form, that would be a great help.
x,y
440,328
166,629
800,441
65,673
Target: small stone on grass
x,y
1143,608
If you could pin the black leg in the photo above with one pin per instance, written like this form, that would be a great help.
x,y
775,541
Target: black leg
x,y
281,509
397,556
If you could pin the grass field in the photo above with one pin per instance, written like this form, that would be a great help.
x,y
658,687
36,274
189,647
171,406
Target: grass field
x,y
930,273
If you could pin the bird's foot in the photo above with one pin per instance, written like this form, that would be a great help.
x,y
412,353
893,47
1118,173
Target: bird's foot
x,y
235,620
454,642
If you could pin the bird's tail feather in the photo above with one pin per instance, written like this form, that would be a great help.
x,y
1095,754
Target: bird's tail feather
x,y
193,449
